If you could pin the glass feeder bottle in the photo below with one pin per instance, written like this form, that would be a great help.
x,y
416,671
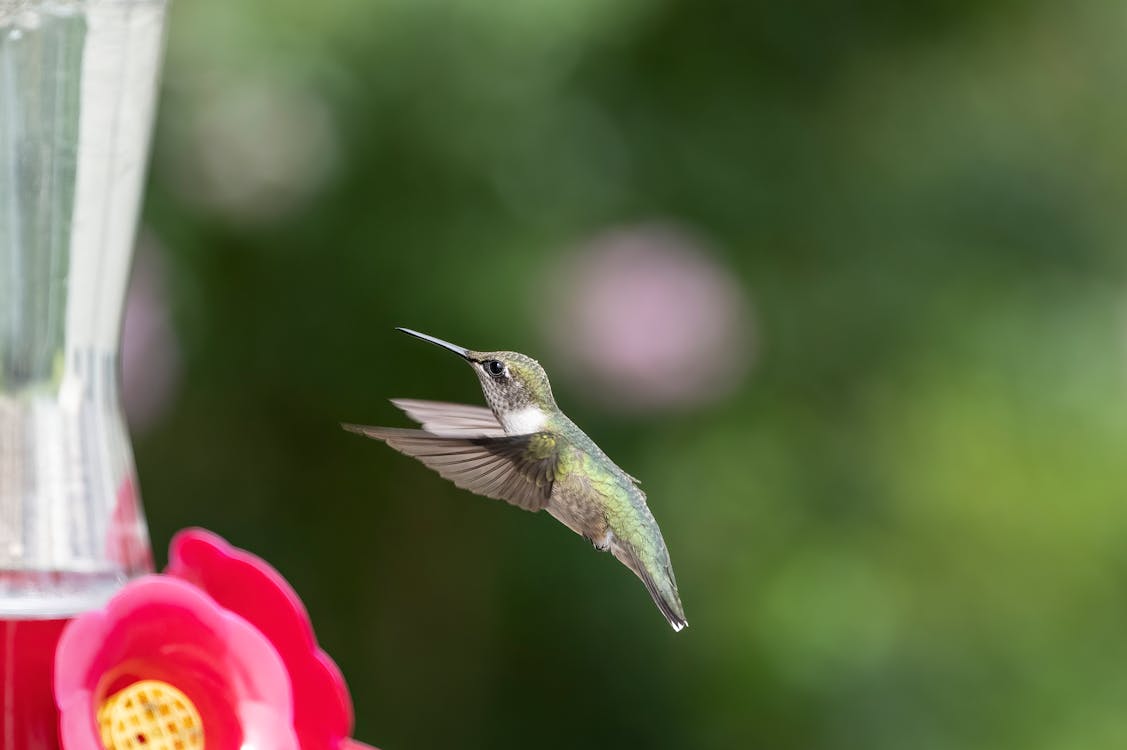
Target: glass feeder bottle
x,y
77,92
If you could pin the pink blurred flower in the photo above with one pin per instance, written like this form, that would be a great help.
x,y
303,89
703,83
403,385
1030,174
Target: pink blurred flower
x,y
223,628
150,349
647,318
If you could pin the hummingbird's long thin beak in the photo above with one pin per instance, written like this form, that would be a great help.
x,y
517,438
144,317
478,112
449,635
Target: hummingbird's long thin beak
x,y
461,352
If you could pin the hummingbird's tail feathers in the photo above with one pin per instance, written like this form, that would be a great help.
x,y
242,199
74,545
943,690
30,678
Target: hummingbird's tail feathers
x,y
662,586
668,603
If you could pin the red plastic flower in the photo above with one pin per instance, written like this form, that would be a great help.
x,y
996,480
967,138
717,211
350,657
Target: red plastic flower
x,y
219,648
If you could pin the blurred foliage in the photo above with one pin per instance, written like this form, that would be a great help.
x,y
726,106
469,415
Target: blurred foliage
x,y
905,530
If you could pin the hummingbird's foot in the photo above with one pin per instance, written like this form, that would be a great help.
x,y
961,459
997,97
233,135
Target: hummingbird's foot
x,y
601,545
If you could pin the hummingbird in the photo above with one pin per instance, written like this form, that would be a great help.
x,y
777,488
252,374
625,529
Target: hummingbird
x,y
522,449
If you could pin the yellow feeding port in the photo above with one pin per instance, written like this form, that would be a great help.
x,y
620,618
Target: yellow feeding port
x,y
150,715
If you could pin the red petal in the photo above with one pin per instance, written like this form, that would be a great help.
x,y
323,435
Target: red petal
x,y
247,585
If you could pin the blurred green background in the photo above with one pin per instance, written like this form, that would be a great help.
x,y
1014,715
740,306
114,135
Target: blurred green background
x,y
869,356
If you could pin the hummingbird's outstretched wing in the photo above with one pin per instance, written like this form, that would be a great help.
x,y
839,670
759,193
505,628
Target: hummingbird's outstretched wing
x,y
519,469
443,418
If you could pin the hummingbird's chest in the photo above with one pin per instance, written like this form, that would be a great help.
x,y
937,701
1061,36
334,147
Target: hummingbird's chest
x,y
590,494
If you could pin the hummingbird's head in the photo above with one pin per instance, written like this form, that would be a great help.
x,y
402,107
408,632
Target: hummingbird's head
x,y
515,386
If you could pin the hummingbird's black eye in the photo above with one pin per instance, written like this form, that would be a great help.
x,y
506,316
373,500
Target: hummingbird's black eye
x,y
495,367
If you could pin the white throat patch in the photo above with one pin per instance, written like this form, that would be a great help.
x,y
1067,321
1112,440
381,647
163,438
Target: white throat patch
x,y
524,421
